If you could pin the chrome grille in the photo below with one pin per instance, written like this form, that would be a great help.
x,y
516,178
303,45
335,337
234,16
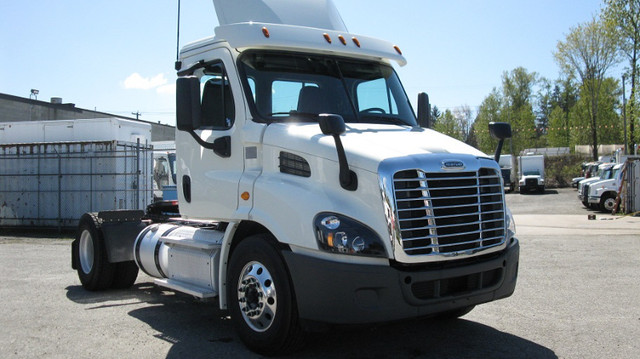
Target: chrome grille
x,y
449,213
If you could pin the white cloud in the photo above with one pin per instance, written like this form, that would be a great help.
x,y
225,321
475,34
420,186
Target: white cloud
x,y
169,89
136,81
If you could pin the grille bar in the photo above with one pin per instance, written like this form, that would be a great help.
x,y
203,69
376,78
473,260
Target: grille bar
x,y
449,213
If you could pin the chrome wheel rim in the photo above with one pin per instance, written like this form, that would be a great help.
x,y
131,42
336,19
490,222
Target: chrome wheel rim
x,y
257,296
85,251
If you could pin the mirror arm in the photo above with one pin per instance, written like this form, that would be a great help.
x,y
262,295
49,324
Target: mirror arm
x,y
348,178
221,146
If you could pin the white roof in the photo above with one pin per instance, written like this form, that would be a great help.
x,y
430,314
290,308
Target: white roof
x,y
320,14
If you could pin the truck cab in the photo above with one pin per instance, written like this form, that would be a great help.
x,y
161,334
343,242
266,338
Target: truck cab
x,y
602,194
308,193
603,173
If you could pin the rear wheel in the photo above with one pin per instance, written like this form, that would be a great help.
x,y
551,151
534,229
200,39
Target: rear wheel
x,y
125,275
261,298
94,270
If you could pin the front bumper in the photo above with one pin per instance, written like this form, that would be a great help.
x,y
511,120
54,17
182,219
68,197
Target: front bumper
x,y
594,199
342,293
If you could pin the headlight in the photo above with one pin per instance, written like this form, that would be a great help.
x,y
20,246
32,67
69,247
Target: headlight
x,y
511,224
341,234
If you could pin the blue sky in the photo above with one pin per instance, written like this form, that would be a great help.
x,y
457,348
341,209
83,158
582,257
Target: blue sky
x,y
118,56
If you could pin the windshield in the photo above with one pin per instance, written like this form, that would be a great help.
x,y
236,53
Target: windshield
x,y
298,87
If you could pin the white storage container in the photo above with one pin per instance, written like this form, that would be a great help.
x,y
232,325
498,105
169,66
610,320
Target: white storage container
x,y
53,184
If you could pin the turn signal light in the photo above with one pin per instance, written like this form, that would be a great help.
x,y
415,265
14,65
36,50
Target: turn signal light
x,y
265,32
356,41
327,37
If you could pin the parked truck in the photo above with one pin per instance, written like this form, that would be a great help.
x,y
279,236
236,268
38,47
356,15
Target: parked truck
x,y
308,193
602,194
531,173
507,164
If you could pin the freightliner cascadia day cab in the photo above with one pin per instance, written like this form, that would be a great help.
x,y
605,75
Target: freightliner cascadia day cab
x,y
308,193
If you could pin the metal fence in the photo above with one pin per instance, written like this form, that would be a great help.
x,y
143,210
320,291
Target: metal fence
x,y
53,184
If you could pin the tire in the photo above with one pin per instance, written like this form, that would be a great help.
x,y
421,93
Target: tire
x,y
261,299
94,270
454,314
607,202
125,275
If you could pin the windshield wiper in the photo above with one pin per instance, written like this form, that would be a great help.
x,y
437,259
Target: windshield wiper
x,y
384,120
294,116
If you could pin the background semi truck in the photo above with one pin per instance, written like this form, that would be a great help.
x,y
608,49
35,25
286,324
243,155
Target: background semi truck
x,y
308,193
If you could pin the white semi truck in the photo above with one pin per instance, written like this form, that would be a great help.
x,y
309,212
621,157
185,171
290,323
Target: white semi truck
x,y
308,193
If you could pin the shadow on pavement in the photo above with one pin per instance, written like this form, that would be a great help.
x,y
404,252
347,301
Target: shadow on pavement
x,y
198,329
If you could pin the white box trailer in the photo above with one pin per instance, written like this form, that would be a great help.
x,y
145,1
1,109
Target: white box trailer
x,y
95,129
51,184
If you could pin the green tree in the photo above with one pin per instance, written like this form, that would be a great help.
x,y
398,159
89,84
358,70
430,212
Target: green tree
x,y
624,16
517,107
449,125
489,111
563,99
589,50
610,127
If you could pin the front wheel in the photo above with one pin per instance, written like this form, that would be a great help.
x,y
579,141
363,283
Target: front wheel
x,y
607,203
261,299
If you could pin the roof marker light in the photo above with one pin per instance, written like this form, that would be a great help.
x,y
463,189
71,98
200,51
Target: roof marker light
x,y
397,49
327,37
342,40
265,32
356,41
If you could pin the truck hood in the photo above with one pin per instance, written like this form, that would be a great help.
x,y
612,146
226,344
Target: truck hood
x,y
366,145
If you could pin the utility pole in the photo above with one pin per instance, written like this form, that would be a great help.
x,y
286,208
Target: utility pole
x,y
624,117
137,113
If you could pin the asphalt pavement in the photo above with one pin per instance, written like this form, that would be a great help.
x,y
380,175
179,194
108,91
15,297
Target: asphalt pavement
x,y
578,296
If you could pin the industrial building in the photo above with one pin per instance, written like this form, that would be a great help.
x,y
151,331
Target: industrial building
x,y
20,109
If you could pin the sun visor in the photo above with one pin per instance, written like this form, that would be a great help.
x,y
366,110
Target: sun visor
x,y
320,14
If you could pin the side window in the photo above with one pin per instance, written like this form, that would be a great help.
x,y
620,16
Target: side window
x,y
375,94
218,108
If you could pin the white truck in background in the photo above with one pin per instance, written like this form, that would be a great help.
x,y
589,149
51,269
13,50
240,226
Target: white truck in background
x,y
602,194
309,196
507,164
531,173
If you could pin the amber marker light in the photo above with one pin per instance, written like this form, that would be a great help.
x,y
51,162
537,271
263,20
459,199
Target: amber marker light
x,y
245,196
342,40
265,32
356,41
327,37
397,49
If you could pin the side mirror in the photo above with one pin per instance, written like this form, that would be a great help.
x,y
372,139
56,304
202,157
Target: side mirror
x,y
424,112
331,124
500,131
187,103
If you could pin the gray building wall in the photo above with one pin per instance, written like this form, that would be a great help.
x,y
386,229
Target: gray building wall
x,y
18,109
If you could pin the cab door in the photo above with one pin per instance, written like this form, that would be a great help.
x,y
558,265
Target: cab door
x,y
210,152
